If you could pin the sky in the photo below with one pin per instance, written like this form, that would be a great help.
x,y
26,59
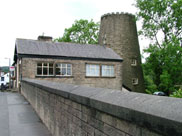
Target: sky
x,y
30,18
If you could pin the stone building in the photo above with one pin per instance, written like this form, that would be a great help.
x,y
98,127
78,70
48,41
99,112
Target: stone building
x,y
88,65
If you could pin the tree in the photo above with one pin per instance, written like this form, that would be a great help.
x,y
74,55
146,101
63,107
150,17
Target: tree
x,y
162,23
160,17
177,94
82,31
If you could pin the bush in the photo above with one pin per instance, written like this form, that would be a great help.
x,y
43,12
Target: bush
x,y
177,94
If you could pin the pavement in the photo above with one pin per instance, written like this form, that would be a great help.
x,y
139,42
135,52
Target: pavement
x,y
17,117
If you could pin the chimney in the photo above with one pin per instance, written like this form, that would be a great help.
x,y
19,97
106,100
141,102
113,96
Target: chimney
x,y
45,38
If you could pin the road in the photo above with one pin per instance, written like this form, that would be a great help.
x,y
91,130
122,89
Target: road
x,y
17,117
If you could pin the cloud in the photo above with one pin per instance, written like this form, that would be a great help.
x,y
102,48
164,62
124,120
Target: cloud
x,y
30,18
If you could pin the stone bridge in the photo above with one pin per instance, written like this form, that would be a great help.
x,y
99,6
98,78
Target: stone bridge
x,y
71,110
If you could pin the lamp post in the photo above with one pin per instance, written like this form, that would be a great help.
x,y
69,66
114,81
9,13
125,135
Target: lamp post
x,y
9,72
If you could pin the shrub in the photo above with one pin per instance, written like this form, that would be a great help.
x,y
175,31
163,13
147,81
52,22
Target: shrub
x,y
177,94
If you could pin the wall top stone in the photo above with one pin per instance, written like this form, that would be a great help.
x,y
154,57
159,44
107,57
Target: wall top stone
x,y
157,113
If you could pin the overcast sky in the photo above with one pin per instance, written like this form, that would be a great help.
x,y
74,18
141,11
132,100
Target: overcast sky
x,y
30,18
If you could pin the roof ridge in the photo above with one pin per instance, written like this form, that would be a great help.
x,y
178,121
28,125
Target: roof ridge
x,y
36,47
79,43
57,42
71,43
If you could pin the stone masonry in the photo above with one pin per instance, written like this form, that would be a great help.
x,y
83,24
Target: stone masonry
x,y
29,70
118,32
69,110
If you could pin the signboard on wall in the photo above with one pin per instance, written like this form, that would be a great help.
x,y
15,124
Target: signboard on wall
x,y
12,68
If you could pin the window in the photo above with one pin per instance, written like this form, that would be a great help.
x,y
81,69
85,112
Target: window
x,y
108,70
63,69
133,62
134,81
2,78
92,70
44,69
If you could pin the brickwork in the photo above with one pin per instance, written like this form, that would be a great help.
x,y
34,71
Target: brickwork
x,y
118,32
29,70
65,117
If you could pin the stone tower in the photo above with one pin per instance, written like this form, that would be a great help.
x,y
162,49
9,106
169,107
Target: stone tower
x,y
118,31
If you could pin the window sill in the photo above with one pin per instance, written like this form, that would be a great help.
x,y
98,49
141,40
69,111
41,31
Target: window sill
x,y
53,76
92,77
63,76
99,77
39,76
108,77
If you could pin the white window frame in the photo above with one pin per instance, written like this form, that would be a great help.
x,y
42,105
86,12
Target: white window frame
x,y
109,68
133,62
94,68
61,67
135,81
42,68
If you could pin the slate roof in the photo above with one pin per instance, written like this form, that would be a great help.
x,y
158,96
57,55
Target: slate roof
x,y
63,49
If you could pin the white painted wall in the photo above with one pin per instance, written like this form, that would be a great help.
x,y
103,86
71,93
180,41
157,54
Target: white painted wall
x,y
6,79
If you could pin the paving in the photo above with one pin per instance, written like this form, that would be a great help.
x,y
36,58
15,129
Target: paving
x,y
17,117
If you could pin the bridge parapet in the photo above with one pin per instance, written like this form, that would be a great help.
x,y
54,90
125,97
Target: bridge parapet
x,y
77,110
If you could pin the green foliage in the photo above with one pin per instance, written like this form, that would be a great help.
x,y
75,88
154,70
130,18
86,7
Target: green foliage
x,y
82,31
150,86
4,69
163,67
160,16
148,81
177,94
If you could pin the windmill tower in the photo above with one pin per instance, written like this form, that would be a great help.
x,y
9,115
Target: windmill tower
x,y
118,32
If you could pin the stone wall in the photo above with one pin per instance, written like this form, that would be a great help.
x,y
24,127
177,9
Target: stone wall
x,y
118,32
70,110
29,70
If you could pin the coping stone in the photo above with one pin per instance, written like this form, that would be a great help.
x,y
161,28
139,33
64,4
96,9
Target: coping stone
x,y
157,113
82,94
